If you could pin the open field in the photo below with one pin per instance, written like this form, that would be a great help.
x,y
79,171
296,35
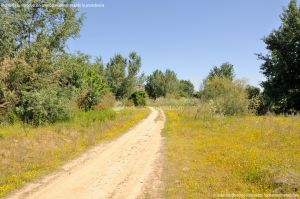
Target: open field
x,y
207,155
27,153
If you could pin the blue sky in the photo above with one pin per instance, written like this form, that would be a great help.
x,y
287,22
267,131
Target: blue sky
x,y
187,36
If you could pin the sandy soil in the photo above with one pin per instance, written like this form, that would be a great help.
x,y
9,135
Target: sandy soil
x,y
122,168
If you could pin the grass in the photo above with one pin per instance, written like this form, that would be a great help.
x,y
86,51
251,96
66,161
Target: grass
x,y
182,101
27,153
209,155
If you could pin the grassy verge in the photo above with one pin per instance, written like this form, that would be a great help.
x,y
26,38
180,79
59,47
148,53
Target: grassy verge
x,y
209,155
27,153
180,102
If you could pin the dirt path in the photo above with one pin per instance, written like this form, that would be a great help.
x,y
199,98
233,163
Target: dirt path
x,y
118,169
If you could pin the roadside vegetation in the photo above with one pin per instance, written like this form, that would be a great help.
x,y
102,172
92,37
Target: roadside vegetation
x,y
28,153
54,104
233,139
207,155
226,137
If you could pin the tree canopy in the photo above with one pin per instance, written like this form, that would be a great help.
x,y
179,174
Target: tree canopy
x,y
37,26
225,70
161,84
281,65
122,74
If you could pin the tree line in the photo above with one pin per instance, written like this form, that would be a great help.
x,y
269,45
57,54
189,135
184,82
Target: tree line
x,y
41,83
281,67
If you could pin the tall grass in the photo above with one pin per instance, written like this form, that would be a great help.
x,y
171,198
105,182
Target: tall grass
x,y
174,102
27,153
208,154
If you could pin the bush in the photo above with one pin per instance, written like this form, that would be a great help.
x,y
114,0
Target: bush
x,y
229,97
7,101
108,100
94,88
87,99
127,102
45,106
139,98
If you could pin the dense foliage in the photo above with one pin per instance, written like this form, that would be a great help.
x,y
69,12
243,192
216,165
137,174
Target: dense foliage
x,y
161,84
139,98
226,96
282,65
122,74
36,27
39,82
224,71
186,88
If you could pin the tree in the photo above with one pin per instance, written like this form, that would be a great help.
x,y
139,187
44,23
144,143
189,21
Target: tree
x,y
130,83
30,89
122,74
282,65
31,38
72,69
186,88
252,91
36,27
139,98
161,84
155,86
225,70
116,72
94,87
256,102
171,83
43,106
226,96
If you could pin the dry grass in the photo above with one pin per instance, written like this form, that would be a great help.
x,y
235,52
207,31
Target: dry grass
x,y
209,155
27,153
165,102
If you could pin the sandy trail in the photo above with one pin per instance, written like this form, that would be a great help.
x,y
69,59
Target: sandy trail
x,y
117,169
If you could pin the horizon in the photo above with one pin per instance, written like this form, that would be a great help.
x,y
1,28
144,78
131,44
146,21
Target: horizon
x,y
189,43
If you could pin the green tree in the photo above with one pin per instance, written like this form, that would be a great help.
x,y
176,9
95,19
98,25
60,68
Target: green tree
x,y
282,65
256,102
131,81
31,38
161,84
94,87
122,74
139,98
252,91
116,72
226,96
225,70
171,83
72,69
37,26
186,88
43,106
155,85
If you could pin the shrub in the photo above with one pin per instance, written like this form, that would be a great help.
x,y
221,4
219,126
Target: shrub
x,y
7,101
139,98
127,102
87,99
229,97
108,100
45,106
93,90
186,88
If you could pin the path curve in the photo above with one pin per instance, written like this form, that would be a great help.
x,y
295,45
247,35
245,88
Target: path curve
x,y
116,169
